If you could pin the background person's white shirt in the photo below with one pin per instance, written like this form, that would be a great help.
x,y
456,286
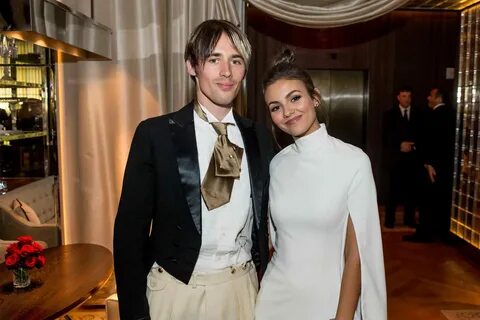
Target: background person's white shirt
x,y
402,111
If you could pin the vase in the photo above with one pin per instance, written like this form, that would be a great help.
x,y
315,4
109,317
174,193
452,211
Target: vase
x,y
21,278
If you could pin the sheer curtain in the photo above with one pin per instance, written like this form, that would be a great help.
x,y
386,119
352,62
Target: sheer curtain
x,y
101,103
326,13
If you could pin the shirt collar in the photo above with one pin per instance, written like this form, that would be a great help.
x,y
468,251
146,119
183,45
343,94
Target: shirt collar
x,y
211,118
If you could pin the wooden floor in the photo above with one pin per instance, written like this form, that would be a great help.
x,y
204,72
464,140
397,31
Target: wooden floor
x,y
422,280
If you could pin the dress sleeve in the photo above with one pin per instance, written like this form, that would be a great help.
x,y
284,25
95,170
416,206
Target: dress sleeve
x,y
271,229
363,209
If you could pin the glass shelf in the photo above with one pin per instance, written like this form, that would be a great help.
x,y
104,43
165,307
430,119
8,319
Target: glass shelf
x,y
17,84
8,135
28,146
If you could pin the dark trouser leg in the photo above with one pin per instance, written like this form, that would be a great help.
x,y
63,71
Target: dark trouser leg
x,y
442,205
409,209
426,207
411,176
392,200
409,217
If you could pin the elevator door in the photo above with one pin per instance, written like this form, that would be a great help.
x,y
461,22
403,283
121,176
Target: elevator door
x,y
344,103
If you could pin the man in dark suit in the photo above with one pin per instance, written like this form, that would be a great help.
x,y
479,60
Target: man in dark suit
x,y
437,150
192,213
401,126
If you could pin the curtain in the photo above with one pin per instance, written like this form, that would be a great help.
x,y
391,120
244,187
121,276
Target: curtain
x,y
326,13
101,103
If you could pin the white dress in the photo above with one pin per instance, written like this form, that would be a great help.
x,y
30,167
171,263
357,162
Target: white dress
x,y
316,184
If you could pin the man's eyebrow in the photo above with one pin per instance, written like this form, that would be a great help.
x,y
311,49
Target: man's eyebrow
x,y
234,56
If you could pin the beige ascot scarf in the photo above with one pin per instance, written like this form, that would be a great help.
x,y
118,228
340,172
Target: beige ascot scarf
x,y
224,165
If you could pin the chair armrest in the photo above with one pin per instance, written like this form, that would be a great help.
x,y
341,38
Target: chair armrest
x,y
12,226
3,249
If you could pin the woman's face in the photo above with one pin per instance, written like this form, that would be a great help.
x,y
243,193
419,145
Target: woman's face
x,y
291,107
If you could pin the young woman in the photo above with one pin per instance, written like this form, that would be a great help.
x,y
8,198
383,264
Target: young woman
x,y
328,259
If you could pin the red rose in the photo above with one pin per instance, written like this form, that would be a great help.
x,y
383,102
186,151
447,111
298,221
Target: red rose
x,y
40,261
27,250
30,261
12,260
13,248
25,239
38,247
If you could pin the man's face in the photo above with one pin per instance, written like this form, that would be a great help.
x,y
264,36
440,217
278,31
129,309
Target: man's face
x,y
433,98
219,77
404,98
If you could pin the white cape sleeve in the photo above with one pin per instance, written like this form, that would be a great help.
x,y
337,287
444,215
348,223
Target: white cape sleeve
x,y
363,209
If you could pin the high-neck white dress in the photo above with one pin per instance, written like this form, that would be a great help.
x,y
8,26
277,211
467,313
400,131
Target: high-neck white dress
x,y
316,184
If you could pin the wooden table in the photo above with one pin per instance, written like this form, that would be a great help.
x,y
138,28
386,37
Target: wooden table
x,y
70,276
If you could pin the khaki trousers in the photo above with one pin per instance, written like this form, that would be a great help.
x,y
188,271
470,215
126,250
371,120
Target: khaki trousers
x,y
229,294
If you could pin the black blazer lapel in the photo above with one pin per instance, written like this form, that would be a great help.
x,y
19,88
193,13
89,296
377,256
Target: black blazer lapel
x,y
254,165
183,137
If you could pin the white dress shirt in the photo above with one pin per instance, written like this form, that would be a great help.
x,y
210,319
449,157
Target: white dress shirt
x,y
402,110
226,231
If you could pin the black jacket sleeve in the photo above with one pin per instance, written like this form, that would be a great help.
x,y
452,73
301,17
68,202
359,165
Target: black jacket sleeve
x,y
132,225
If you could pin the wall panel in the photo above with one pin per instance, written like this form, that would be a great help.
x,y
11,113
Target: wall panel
x,y
403,47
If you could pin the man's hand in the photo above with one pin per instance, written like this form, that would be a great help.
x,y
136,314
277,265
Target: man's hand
x,y
407,146
431,172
